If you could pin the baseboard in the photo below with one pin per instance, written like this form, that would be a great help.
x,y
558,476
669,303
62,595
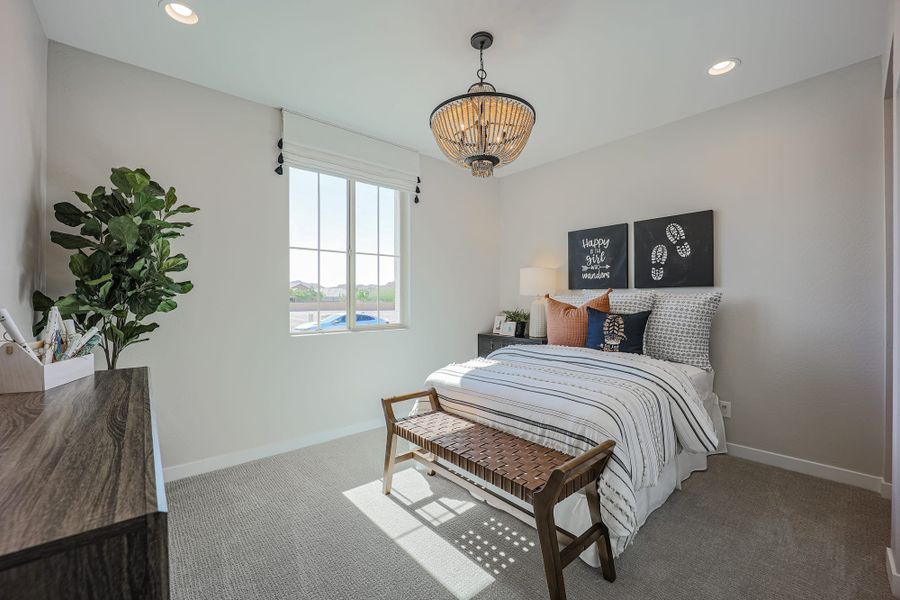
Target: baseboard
x,y
893,575
808,467
214,463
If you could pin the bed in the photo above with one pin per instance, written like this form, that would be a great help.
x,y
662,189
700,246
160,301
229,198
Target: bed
x,y
664,418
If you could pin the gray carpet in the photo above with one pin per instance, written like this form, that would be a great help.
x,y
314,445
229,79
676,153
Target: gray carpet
x,y
312,524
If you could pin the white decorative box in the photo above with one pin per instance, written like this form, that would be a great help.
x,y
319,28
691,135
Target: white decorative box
x,y
21,373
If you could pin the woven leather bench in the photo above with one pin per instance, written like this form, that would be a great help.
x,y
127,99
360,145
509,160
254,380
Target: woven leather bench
x,y
538,475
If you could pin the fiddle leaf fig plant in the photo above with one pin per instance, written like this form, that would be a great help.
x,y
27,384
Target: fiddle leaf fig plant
x,y
122,261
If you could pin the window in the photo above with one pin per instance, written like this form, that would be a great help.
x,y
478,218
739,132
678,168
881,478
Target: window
x,y
347,239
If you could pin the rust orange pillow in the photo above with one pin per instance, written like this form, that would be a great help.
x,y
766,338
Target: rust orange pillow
x,y
567,325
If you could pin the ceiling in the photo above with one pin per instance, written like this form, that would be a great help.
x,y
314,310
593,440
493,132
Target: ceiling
x,y
595,70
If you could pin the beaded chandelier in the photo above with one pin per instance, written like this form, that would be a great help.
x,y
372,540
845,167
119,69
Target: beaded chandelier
x,y
482,128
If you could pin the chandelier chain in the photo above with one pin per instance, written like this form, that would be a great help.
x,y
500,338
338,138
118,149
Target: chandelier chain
x,y
481,73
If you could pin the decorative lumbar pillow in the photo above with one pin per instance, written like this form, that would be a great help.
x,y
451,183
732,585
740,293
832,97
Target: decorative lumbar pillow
x,y
567,324
625,303
679,326
612,332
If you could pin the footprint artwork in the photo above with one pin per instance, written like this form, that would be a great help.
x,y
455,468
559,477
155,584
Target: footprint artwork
x,y
674,251
613,333
675,233
658,257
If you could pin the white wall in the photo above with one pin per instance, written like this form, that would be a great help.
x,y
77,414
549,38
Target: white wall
x,y
23,135
219,386
795,179
793,175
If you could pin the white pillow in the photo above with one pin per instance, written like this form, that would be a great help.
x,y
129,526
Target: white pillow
x,y
678,328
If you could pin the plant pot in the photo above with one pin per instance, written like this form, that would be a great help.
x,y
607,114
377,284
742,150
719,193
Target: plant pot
x,y
520,329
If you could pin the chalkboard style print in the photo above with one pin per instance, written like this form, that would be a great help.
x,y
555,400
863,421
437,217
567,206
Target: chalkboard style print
x,y
598,258
674,251
613,333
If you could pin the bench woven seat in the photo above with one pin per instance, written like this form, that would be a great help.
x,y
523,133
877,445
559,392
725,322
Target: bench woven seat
x,y
515,465
538,475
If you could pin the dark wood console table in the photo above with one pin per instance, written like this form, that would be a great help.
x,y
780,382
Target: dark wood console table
x,y
82,502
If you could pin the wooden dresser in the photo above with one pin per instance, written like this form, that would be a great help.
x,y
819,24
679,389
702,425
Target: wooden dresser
x,y
82,502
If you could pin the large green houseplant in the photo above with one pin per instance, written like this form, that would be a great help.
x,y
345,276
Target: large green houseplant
x,y
122,262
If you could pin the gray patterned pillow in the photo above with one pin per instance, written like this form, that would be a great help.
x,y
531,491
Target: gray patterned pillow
x,y
626,303
679,326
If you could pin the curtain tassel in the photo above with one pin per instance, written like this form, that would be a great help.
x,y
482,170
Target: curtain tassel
x,y
280,169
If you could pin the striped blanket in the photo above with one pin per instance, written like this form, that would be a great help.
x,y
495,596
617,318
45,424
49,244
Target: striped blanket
x,y
571,399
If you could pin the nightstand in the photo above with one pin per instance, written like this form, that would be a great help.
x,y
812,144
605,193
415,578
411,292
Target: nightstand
x,y
488,342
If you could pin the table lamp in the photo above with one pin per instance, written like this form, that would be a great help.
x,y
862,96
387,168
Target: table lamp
x,y
536,281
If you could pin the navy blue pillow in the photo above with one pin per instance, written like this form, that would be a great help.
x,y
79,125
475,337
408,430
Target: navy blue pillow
x,y
616,333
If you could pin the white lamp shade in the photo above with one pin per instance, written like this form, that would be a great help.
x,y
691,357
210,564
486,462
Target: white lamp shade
x,y
536,281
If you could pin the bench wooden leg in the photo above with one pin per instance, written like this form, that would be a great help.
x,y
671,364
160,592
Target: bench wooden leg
x,y
607,564
390,454
547,536
430,472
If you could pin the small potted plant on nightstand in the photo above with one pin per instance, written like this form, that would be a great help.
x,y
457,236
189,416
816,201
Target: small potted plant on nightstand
x,y
519,316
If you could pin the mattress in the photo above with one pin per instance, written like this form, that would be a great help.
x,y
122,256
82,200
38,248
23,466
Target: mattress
x,y
701,379
703,382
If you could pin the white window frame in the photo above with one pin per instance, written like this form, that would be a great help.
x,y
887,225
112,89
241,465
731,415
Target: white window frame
x,y
401,237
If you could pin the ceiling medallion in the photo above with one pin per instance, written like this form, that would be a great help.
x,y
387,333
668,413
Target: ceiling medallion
x,y
482,128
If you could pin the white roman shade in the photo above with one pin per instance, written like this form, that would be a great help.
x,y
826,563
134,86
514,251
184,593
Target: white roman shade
x,y
311,144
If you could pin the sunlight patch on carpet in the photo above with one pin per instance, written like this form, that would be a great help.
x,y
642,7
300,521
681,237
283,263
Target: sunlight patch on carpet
x,y
461,576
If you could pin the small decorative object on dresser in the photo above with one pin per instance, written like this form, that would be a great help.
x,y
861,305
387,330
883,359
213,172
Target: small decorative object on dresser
x,y
488,342
498,321
508,329
518,316
19,372
535,281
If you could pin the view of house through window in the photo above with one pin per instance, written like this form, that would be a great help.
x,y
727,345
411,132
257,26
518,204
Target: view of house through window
x,y
344,254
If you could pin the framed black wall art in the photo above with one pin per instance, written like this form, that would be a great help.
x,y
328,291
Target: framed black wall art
x,y
598,258
674,251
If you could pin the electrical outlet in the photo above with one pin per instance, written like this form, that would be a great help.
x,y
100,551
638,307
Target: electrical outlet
x,y
726,408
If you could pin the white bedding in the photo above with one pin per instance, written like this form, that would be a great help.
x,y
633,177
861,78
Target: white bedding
x,y
702,380
573,398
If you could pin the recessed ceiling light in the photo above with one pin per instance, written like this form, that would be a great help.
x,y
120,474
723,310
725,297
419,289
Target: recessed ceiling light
x,y
723,66
180,12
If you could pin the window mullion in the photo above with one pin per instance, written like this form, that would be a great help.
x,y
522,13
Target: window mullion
x,y
318,252
378,253
351,254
